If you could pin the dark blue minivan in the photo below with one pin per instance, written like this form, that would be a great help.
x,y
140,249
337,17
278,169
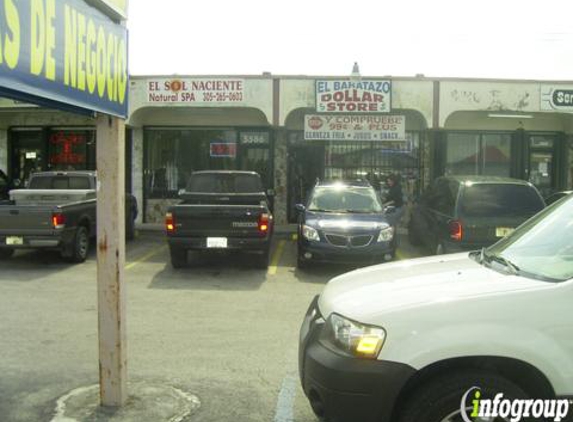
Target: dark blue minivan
x,y
344,222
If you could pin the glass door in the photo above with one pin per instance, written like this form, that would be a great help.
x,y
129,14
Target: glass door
x,y
28,154
541,163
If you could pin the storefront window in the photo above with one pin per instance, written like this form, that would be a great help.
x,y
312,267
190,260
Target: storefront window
x,y
173,154
71,149
475,153
27,154
312,160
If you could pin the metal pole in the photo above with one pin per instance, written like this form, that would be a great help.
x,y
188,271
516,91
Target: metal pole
x,y
111,260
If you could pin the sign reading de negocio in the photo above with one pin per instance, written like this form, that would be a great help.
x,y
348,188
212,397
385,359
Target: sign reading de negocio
x,y
63,51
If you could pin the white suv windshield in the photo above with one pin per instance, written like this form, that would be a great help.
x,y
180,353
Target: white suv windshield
x,y
543,246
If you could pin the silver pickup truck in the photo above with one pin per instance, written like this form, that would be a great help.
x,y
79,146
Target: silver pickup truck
x,y
56,211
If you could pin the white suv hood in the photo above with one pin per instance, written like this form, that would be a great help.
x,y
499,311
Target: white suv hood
x,y
366,294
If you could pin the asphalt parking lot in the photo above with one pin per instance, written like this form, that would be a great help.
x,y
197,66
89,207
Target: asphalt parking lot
x,y
219,329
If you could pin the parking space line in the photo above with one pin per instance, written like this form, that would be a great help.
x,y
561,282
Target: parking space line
x,y
285,403
146,257
276,258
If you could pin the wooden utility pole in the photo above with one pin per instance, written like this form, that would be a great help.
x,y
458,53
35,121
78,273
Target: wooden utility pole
x,y
111,260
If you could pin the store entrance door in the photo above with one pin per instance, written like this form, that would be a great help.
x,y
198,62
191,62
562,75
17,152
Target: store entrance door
x,y
28,155
541,163
305,167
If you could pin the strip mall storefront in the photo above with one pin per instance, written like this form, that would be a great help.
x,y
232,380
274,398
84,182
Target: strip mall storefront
x,y
294,130
181,125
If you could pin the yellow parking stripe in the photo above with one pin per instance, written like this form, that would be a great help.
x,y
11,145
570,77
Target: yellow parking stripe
x,y
146,257
276,258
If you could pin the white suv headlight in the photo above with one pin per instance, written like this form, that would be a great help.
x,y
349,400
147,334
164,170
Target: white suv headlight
x,y
358,339
386,234
310,233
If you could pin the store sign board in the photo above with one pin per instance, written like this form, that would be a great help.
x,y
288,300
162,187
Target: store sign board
x,y
354,128
557,98
344,96
223,149
117,8
63,53
204,91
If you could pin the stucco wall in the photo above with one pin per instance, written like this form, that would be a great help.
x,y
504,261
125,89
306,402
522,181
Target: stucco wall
x,y
257,95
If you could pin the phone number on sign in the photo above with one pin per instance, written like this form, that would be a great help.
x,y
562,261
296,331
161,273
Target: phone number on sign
x,y
222,97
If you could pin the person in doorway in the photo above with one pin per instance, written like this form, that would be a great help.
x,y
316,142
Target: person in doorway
x,y
395,198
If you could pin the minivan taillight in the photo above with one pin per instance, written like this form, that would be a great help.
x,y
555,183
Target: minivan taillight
x,y
264,223
169,222
58,220
456,230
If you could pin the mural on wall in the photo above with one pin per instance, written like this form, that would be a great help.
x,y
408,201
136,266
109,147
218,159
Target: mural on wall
x,y
487,96
491,100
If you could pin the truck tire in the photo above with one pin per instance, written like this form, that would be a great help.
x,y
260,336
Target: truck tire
x,y
6,253
178,257
79,249
440,399
262,260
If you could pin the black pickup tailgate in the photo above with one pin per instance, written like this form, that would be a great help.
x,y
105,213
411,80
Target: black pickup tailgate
x,y
193,220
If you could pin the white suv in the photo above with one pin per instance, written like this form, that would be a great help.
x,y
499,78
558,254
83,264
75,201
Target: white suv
x,y
486,334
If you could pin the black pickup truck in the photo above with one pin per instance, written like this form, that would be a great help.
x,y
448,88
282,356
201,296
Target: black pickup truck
x,y
220,211
56,211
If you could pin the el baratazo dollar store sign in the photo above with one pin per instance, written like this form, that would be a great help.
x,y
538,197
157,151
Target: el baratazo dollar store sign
x,y
63,53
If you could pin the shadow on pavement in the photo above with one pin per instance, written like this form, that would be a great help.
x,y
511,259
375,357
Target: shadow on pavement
x,y
26,265
212,272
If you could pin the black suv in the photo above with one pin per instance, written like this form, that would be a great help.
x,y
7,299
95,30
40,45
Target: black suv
x,y
469,212
344,222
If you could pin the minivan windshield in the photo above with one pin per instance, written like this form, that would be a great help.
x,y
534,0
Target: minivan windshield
x,y
542,247
344,199
500,200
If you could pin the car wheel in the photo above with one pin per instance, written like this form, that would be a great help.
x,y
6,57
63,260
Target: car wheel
x,y
80,246
178,258
441,400
301,263
440,249
262,260
6,253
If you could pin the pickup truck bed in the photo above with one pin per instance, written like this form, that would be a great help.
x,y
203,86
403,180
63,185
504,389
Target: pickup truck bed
x,y
62,219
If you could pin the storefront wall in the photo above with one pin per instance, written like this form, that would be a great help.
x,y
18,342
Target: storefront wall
x,y
450,121
35,139
185,124
308,160
512,129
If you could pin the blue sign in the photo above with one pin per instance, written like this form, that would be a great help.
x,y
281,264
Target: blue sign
x,y
63,54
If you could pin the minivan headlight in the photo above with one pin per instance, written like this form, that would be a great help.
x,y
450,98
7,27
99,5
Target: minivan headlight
x,y
310,233
386,234
352,337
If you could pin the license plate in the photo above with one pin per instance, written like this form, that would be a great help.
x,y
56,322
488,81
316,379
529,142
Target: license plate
x,y
503,231
14,240
216,242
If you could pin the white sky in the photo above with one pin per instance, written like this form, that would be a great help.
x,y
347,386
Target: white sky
x,y
527,39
